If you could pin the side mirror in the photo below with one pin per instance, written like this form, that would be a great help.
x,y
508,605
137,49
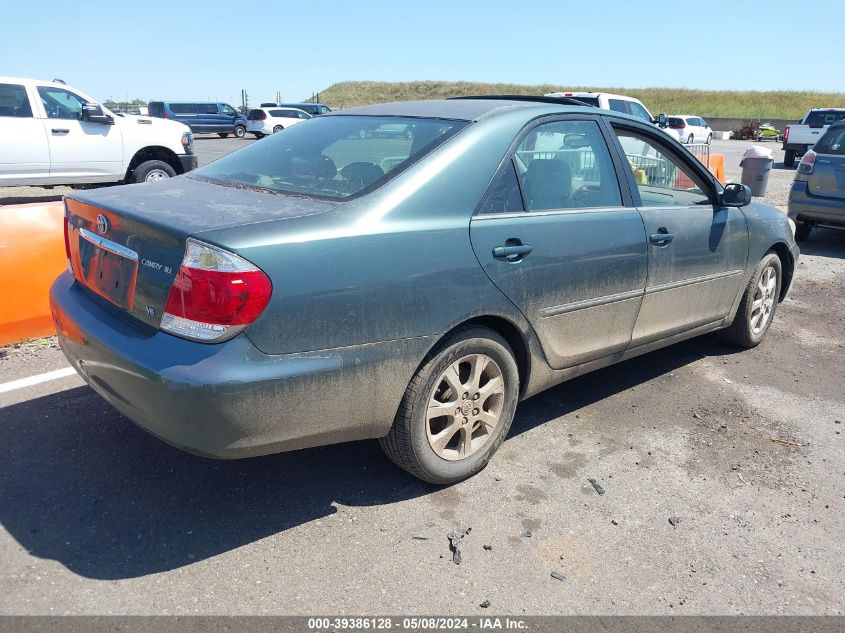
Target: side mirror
x,y
662,120
736,195
93,113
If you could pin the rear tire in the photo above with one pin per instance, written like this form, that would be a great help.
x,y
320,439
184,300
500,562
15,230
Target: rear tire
x,y
258,135
240,131
802,231
472,381
152,171
222,134
789,158
759,304
277,128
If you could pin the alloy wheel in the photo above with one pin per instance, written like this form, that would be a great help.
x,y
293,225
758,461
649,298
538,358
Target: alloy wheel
x,y
465,407
764,299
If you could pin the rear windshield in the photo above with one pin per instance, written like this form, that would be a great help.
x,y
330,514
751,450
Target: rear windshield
x,y
675,122
824,118
256,115
833,142
590,101
334,157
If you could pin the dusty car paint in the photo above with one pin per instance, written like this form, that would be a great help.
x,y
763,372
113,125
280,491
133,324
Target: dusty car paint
x,y
363,289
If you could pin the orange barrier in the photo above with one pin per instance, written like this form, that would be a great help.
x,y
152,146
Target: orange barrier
x,y
32,255
716,164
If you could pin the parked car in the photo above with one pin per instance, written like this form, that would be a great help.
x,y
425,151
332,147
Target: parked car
x,y
318,287
797,139
264,121
688,128
54,134
817,196
202,117
314,109
609,101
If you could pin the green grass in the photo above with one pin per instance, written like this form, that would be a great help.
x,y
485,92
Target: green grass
x,y
781,104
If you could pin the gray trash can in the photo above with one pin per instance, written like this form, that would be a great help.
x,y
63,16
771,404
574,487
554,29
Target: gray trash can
x,y
755,174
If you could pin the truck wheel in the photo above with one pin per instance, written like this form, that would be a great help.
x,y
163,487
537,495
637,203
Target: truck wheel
x,y
222,134
240,131
457,408
789,158
802,231
152,171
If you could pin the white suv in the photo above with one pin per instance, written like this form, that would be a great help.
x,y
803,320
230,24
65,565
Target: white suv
x,y
609,101
53,134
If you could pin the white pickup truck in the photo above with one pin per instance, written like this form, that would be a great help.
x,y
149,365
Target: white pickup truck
x,y
53,134
797,139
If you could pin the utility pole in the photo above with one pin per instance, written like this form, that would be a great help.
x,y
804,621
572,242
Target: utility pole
x,y
244,101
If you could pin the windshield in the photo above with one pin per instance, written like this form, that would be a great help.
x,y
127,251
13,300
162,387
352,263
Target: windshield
x,y
334,157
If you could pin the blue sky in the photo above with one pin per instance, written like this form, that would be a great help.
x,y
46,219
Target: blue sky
x,y
213,49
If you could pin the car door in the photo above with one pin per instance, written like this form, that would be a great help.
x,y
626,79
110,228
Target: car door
x,y
80,151
560,238
227,117
24,150
697,250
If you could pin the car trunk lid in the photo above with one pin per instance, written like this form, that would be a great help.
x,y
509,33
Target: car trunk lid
x,y
126,244
828,177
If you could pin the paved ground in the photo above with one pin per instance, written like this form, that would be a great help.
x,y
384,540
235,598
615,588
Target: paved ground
x,y
99,517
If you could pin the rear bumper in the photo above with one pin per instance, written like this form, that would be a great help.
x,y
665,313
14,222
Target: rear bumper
x,y
806,208
188,162
230,400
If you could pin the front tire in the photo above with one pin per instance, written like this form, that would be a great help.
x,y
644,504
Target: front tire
x,y
240,131
457,409
690,139
709,138
153,171
759,303
789,158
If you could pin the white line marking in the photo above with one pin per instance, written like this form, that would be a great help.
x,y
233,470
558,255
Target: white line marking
x,y
35,380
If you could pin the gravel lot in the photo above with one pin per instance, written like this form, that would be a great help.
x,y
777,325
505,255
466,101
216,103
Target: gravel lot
x,y
743,451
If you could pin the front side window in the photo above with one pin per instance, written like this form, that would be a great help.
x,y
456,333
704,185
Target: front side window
x,y
640,112
662,179
333,157
228,110
566,165
14,102
60,103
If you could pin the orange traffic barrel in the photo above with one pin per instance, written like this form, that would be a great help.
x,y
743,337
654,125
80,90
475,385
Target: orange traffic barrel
x,y
32,255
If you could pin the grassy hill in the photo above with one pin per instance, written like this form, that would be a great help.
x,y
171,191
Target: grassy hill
x,y
707,103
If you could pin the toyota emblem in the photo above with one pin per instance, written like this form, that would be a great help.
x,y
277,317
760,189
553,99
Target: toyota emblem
x,y
103,224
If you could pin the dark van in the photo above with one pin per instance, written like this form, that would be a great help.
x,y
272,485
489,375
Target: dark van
x,y
314,109
202,116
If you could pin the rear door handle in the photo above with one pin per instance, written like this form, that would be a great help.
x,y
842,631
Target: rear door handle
x,y
662,237
62,130
512,252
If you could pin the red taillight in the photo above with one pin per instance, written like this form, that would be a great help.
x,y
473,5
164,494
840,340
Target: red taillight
x,y
786,134
215,295
808,162
67,244
164,115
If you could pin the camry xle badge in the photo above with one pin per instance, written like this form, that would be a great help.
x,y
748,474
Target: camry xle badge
x,y
103,224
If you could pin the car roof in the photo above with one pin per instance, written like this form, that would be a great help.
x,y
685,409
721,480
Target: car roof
x,y
468,109
685,116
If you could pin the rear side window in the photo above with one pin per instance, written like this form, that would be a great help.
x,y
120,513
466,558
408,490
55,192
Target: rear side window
x,y
566,165
821,118
617,105
183,108
14,102
333,157
207,108
504,195
833,142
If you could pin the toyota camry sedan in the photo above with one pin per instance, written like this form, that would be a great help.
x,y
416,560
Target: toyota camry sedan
x,y
331,284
